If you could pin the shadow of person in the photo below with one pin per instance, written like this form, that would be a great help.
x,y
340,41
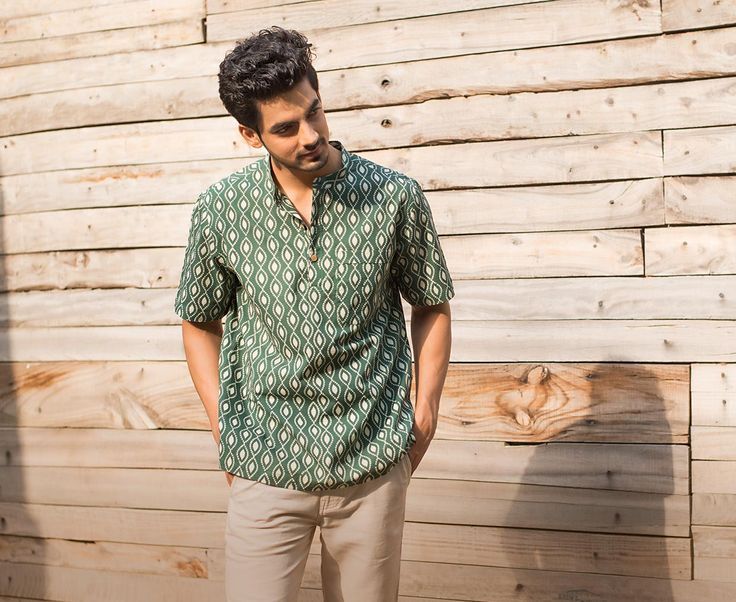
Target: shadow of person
x,y
601,512
23,551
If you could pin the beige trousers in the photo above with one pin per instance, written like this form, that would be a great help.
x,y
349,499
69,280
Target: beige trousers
x,y
269,532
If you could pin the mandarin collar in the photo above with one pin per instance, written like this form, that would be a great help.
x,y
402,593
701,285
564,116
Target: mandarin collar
x,y
274,194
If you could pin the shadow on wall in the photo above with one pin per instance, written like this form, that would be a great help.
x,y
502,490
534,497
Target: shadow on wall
x,y
589,520
22,550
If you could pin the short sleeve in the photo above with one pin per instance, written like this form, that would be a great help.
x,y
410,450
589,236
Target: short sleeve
x,y
419,265
206,288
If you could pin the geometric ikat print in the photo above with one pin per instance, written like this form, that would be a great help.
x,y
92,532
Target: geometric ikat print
x,y
315,363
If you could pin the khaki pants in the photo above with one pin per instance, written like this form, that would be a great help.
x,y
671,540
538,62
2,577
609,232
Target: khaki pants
x,y
270,529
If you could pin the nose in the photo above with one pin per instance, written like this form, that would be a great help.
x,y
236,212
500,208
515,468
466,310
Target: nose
x,y
309,137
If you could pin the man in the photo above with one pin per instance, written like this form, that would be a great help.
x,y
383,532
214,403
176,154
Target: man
x,y
306,251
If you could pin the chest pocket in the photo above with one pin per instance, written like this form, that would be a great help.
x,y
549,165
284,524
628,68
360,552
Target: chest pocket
x,y
357,290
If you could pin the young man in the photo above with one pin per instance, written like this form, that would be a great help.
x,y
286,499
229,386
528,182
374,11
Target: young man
x,y
307,252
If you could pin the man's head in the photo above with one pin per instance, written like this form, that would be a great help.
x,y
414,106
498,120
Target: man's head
x,y
267,83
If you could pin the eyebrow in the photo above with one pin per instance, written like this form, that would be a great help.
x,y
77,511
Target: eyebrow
x,y
281,124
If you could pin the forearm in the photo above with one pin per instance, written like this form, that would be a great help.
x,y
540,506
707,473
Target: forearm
x,y
202,349
431,340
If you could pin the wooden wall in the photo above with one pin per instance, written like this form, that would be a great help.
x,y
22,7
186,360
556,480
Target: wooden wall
x,y
580,160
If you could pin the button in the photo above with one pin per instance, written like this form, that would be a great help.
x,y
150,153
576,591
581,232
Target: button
x,y
313,257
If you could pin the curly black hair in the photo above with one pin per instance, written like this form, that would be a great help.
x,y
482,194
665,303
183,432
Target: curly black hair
x,y
261,67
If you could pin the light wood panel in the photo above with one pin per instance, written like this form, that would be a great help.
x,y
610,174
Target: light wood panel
x,y
452,34
699,199
96,17
691,14
714,394
473,341
96,43
690,250
714,553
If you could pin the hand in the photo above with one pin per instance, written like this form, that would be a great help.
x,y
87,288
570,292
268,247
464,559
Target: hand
x,y
229,476
423,428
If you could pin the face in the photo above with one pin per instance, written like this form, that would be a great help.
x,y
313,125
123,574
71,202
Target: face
x,y
293,125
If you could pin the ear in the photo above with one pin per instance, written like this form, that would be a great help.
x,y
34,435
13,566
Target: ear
x,y
250,136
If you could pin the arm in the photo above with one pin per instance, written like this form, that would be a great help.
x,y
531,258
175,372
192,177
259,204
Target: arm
x,y
431,339
202,349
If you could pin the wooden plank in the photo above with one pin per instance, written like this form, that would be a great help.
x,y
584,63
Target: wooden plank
x,y
714,509
593,253
699,199
127,525
152,268
66,584
645,468
452,34
521,115
714,394
562,402
499,299
692,151
667,557
106,555
557,159
714,443
691,14
598,252
714,553
303,15
96,43
98,17
479,403
570,67
151,184
714,477
445,501
24,8
442,580
690,250
473,341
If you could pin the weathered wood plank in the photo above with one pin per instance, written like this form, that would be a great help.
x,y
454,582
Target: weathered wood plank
x,y
714,443
714,394
66,584
490,402
177,561
576,66
520,115
557,159
699,199
150,184
714,553
621,467
98,17
693,151
690,250
718,509
306,15
152,268
96,43
595,253
452,34
691,14
473,341
499,299
714,477
125,525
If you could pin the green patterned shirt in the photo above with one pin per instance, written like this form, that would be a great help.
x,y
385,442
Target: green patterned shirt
x,y
315,364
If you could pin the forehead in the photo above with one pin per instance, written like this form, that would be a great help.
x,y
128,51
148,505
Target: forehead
x,y
291,104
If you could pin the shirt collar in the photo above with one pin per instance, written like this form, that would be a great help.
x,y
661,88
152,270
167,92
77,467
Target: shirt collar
x,y
326,181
